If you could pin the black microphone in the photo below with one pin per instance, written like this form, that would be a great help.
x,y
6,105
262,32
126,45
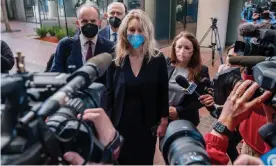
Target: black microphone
x,y
246,60
268,134
191,89
81,79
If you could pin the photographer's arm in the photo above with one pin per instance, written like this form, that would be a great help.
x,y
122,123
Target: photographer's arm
x,y
236,109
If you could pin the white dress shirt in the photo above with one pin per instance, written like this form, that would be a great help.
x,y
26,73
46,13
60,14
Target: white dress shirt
x,y
112,37
85,46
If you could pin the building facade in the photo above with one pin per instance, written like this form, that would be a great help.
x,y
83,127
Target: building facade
x,y
169,16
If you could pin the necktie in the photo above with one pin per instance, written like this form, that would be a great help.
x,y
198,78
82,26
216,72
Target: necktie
x,y
115,37
89,51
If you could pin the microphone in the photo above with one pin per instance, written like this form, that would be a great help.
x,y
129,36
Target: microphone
x,y
81,79
191,89
246,60
249,60
248,30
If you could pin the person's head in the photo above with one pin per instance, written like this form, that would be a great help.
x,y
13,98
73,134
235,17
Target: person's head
x,y
136,33
115,13
88,19
185,52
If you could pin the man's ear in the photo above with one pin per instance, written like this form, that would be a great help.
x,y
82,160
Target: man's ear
x,y
105,16
78,24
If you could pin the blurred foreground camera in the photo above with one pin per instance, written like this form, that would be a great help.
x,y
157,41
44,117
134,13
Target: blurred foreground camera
x,y
247,49
264,74
183,145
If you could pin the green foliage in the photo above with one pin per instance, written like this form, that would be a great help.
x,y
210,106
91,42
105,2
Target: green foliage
x,y
42,32
61,33
71,32
53,30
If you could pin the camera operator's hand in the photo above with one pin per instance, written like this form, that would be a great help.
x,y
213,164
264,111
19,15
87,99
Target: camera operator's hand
x,y
237,106
106,132
248,160
207,100
173,113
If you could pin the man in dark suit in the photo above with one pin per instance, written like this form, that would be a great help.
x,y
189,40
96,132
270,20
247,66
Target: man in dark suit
x,y
84,45
115,13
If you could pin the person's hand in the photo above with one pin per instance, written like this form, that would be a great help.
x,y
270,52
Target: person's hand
x,y
161,130
269,111
106,132
173,113
75,159
245,159
238,107
207,100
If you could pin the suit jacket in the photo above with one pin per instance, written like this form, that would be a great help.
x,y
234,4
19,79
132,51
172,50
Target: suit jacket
x,y
7,60
188,107
105,32
156,93
75,57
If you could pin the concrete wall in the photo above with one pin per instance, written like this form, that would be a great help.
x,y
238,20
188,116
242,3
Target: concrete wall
x,y
208,9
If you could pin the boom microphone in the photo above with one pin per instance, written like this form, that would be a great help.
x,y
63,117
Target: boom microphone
x,y
191,89
246,60
248,30
81,79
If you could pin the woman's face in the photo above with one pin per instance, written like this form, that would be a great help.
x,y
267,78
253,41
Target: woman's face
x,y
134,27
184,50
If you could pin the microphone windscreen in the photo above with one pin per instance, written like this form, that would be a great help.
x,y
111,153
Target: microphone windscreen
x,y
182,81
101,61
248,30
246,60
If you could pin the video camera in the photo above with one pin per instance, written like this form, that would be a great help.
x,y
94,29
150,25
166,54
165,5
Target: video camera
x,y
183,145
264,74
39,114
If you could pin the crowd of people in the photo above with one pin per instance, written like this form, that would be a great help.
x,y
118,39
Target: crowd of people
x,y
143,96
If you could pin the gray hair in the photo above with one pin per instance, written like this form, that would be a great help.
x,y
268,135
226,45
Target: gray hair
x,y
116,3
88,4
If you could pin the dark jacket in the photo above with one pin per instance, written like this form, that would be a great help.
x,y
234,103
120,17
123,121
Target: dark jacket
x,y
188,107
7,60
75,57
105,32
156,100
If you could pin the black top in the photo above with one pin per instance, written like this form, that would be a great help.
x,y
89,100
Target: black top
x,y
7,60
188,106
150,90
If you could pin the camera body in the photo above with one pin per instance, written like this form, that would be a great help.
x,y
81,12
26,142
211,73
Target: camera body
x,y
264,74
45,143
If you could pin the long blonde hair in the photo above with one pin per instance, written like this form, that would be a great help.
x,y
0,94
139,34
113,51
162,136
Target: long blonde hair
x,y
123,47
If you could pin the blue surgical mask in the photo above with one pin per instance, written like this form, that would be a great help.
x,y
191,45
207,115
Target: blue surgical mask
x,y
135,40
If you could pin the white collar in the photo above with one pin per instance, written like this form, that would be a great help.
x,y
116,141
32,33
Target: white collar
x,y
83,39
111,31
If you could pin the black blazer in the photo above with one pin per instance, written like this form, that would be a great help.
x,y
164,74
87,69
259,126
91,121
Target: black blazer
x,y
188,109
7,60
156,100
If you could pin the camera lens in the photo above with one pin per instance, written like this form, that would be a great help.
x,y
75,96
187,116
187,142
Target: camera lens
x,y
183,145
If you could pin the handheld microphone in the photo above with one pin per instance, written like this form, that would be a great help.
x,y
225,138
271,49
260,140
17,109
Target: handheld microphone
x,y
191,89
81,79
246,60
